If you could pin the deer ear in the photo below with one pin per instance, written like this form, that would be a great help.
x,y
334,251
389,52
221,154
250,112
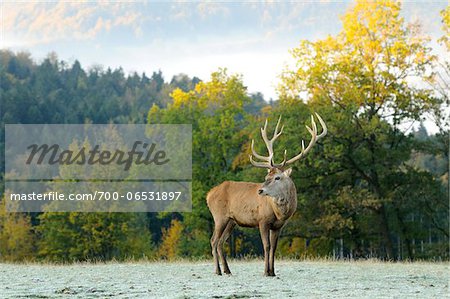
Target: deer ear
x,y
287,172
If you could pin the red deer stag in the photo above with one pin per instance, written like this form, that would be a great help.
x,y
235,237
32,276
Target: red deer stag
x,y
267,206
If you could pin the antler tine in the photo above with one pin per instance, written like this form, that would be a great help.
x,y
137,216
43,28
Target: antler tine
x,y
265,138
313,122
258,156
277,133
264,131
259,164
267,161
265,125
324,127
314,138
282,163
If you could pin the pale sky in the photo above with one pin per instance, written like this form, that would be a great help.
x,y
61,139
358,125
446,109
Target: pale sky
x,y
195,38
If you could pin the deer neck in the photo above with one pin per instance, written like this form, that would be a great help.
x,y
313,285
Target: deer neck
x,y
285,204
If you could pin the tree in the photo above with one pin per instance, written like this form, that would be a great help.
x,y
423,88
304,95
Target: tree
x,y
216,111
170,247
361,82
17,241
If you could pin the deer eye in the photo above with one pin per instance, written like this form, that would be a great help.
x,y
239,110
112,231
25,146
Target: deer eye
x,y
277,178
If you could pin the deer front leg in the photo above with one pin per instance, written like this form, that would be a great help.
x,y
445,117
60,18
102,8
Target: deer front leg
x,y
274,235
264,231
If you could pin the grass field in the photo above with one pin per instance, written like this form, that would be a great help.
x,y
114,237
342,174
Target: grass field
x,y
295,279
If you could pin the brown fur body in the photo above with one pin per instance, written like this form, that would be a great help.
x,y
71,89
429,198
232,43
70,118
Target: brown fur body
x,y
239,203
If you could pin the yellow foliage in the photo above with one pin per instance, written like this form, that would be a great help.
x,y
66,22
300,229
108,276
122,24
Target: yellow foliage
x,y
446,27
170,245
181,98
358,66
221,90
153,112
298,247
16,235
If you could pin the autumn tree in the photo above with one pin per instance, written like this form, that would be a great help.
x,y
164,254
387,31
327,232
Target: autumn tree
x,y
171,242
17,241
215,108
366,82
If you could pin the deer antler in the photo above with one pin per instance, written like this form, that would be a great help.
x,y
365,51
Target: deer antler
x,y
314,138
268,162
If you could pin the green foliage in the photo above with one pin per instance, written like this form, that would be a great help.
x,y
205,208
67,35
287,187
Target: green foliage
x,y
216,111
77,236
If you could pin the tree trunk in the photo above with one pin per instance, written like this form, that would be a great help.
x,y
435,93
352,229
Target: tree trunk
x,y
384,229
404,233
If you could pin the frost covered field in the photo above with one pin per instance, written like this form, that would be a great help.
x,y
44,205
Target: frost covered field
x,y
296,279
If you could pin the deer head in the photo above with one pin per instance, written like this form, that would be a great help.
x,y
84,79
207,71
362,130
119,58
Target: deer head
x,y
278,179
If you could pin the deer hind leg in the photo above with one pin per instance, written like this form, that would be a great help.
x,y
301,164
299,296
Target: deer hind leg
x,y
226,233
219,227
